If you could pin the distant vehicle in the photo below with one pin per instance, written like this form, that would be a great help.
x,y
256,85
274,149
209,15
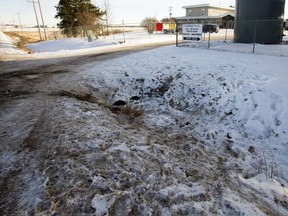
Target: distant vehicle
x,y
168,28
211,28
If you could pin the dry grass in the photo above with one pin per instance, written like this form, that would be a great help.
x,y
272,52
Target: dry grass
x,y
126,112
117,31
82,96
132,112
22,40
32,37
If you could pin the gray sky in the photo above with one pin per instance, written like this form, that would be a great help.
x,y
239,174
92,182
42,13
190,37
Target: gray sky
x,y
131,11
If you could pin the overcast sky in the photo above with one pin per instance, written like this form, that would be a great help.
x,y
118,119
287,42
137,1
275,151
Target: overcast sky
x,y
131,11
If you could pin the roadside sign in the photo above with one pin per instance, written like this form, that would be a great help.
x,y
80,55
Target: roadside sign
x,y
192,32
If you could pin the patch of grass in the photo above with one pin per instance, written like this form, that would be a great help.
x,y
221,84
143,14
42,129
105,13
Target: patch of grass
x,y
132,112
117,31
128,111
83,96
12,34
22,40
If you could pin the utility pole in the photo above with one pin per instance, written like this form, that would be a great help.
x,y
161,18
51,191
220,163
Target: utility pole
x,y
170,12
33,2
42,19
170,20
20,23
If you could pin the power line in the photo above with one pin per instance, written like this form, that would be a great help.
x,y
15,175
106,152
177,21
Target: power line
x,y
170,12
20,23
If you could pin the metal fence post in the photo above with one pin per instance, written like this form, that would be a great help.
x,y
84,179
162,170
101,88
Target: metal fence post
x,y
255,35
177,32
123,30
209,34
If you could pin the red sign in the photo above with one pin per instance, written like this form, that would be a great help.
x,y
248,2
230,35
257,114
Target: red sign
x,y
159,26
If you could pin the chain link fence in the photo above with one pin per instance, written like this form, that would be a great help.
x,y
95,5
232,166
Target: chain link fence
x,y
247,34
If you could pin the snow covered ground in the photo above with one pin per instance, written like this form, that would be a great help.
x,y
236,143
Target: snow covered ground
x,y
7,47
212,140
110,42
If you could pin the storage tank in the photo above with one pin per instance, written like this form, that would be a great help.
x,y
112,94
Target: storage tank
x,y
259,20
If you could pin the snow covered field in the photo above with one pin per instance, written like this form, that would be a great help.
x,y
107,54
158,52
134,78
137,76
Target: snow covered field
x,y
212,139
111,42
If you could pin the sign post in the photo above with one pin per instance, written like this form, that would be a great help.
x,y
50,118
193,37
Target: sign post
x,y
192,32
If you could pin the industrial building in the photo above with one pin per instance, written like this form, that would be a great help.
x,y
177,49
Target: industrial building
x,y
207,13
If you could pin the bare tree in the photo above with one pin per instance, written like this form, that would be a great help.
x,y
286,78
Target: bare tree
x,y
88,21
149,23
108,14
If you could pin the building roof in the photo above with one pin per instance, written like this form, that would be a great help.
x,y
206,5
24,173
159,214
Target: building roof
x,y
206,17
208,5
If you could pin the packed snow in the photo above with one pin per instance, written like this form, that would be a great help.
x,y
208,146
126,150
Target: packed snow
x,y
212,139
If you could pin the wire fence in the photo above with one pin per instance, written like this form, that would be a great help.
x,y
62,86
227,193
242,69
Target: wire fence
x,y
259,31
253,33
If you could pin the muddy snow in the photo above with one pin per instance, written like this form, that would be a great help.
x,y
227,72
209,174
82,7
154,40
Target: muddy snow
x,y
167,131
